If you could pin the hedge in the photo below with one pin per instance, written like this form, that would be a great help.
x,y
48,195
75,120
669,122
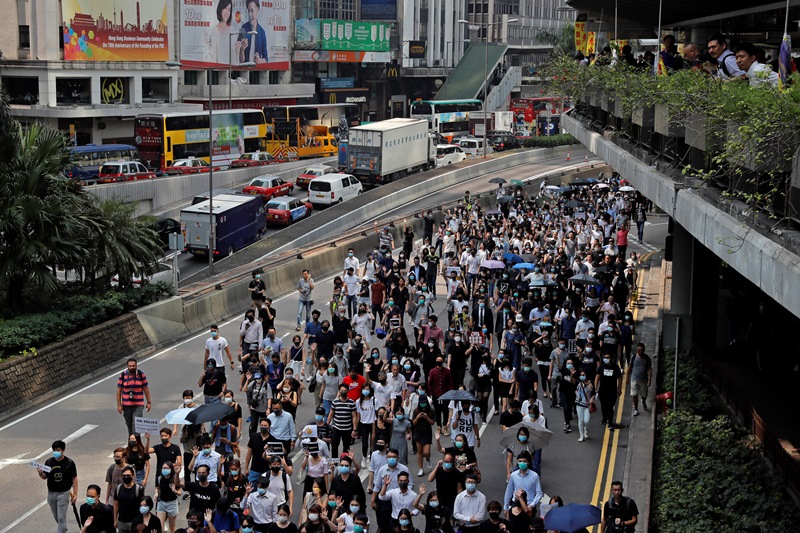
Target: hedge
x,y
71,314
550,141
709,472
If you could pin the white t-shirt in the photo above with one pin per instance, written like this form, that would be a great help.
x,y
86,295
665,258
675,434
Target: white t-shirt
x,y
467,424
276,486
216,348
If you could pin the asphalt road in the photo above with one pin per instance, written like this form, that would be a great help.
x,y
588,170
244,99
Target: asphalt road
x,y
88,420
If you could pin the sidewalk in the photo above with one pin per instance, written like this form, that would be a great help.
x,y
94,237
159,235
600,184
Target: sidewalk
x,y
637,479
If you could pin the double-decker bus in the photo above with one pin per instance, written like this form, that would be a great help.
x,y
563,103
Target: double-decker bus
x,y
308,130
163,138
526,110
87,159
449,118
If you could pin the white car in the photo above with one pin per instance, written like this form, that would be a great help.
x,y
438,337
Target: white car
x,y
163,273
447,154
333,189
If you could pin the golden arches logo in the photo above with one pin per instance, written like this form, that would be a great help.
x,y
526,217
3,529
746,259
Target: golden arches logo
x,y
392,73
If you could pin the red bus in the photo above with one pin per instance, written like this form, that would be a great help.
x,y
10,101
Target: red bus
x,y
526,110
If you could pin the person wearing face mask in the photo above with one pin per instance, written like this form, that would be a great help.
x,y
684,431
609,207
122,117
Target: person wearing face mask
x,y
449,480
427,353
214,382
216,346
165,451
280,484
388,476
512,342
146,517
401,430
366,410
346,484
583,327
251,334
127,497
206,456
456,354
258,398
261,505
136,455
404,521
495,522
343,419
168,489
114,474
527,381
608,384
569,382
282,522
286,395
556,361
439,382
437,516
400,498
226,439
469,508
584,398
318,521
282,427
62,483
96,516
588,361
523,483
195,522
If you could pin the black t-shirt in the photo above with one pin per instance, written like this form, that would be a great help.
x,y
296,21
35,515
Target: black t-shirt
x,y
509,419
438,518
348,489
626,510
61,474
200,498
588,364
236,488
170,453
447,485
341,328
256,444
266,322
488,527
458,356
136,459
165,493
128,500
213,382
326,340
274,528
610,341
103,518
525,382
153,526
609,375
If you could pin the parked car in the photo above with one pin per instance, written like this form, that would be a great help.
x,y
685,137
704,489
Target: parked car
x,y
268,187
474,147
254,159
124,171
162,272
192,165
310,173
333,189
522,134
504,142
447,154
285,210
164,227
492,133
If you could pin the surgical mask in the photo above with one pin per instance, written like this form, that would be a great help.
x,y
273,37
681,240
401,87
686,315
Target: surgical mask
x,y
404,521
188,401
434,503
431,344
91,501
523,438
399,417
332,504
447,466
354,508
459,444
471,487
287,389
358,529
523,465
481,305
589,349
246,529
375,355
262,490
561,346
283,519
407,366
313,517
144,509
58,455
206,451
234,472
392,461
214,334
344,469
457,339
166,472
569,367
366,392
606,360
583,378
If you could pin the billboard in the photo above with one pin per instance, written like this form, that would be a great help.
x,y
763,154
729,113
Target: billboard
x,y
378,9
115,30
417,49
324,56
216,33
341,35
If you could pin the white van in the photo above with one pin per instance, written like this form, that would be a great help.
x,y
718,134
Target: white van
x,y
447,154
333,189
474,147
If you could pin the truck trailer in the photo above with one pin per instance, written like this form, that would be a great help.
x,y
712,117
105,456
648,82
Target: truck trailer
x,y
239,220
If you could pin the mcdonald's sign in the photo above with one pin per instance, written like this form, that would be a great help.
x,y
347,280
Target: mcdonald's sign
x,y
347,96
392,71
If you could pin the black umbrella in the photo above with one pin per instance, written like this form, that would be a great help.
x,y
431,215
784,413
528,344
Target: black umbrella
x,y
497,180
77,516
506,199
527,258
584,279
457,396
207,413
602,269
584,181
575,203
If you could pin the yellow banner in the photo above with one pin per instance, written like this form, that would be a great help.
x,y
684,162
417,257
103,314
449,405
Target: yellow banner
x,y
580,36
590,42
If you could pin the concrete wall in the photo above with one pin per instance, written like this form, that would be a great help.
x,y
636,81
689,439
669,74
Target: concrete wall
x,y
773,268
31,378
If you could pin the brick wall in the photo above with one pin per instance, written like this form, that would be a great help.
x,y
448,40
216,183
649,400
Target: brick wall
x,y
76,356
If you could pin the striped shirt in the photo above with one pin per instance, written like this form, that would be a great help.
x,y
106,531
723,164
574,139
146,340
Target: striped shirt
x,y
132,386
343,414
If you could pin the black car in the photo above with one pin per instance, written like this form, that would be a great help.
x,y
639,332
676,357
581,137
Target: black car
x,y
504,142
164,227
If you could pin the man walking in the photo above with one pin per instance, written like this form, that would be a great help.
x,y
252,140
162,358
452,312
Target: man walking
x,y
640,376
608,384
62,484
619,512
132,390
305,285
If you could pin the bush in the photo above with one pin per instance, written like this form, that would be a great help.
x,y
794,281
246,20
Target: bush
x,y
549,142
693,392
71,314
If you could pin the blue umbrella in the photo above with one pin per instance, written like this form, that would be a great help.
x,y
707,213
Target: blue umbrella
x,y
511,258
572,517
528,266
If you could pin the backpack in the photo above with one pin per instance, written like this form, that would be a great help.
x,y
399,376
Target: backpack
x,y
139,491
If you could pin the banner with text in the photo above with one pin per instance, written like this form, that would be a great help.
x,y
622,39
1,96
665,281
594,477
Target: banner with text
x,y
97,30
341,35
217,33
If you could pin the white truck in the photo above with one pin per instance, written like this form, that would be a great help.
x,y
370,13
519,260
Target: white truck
x,y
385,151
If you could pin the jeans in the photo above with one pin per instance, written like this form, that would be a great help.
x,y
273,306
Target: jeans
x,y
640,230
253,476
303,305
554,387
583,420
567,402
351,305
59,505
326,404
129,412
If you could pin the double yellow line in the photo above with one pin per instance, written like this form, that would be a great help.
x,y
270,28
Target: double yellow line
x,y
608,455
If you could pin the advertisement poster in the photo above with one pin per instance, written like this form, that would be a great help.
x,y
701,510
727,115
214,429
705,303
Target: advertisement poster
x,y
221,32
115,30
341,35
228,136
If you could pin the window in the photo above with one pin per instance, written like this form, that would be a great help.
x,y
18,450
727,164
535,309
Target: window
x,y
273,77
254,78
190,77
214,77
25,37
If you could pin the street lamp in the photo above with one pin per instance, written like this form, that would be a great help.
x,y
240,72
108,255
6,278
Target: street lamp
x,y
210,169
486,25
230,63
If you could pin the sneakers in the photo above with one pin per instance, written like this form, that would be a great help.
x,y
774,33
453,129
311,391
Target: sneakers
x,y
581,438
567,428
364,463
429,465
297,328
635,412
420,473
585,434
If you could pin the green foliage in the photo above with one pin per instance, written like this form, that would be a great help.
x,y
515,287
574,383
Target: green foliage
x,y
693,393
549,142
21,335
711,477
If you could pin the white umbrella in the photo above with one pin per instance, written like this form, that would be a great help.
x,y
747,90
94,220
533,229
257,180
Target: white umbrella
x,y
178,416
627,188
601,186
553,187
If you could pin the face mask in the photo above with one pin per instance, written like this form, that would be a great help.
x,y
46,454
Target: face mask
x,y
332,504
283,519
440,363
318,418
562,346
325,328
246,529
264,431
404,521
471,487
250,318
399,417
262,490
202,477
91,501
313,517
589,349
331,371
514,330
523,438
376,355
206,451
366,392
591,335
193,524
500,355
358,529
58,455
569,367
118,461
127,479
407,367
459,444
354,509
344,470
431,344
434,503
223,426
144,509
343,393
234,472
187,401
606,360
494,515
275,468
392,461
391,304
423,404
422,302
166,472
214,334
522,465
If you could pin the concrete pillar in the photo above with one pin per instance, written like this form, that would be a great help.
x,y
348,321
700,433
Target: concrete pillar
x,y
682,260
45,18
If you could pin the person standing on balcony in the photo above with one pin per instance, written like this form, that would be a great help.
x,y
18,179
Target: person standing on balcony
x,y
718,48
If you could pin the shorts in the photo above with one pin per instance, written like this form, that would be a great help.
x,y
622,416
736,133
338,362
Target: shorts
x,y
170,508
639,389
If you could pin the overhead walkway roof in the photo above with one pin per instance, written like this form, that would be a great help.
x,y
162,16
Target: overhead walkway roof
x,y
466,80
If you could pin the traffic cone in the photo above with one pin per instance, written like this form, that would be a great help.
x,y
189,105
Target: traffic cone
x,y
568,158
586,158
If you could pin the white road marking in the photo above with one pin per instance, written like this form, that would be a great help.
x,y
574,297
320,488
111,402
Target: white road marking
x,y
74,436
24,517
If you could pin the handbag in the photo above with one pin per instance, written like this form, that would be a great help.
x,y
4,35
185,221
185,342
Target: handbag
x,y
592,407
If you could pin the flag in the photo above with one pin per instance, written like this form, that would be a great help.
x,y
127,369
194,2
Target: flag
x,y
785,63
590,42
580,37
